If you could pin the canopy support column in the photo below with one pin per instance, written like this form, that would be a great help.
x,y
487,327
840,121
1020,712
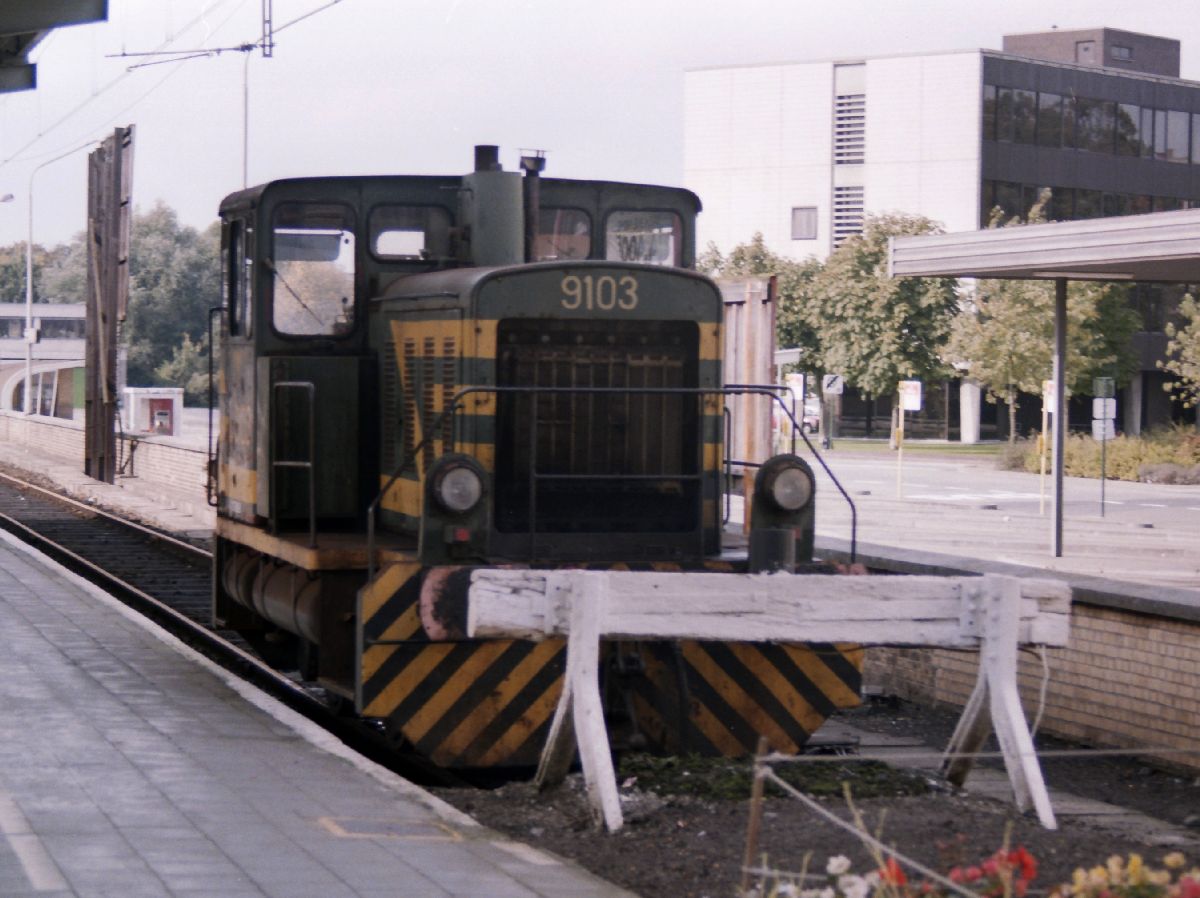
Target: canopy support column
x,y
1060,406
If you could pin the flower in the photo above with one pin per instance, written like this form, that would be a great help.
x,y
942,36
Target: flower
x,y
892,874
1174,860
852,886
838,864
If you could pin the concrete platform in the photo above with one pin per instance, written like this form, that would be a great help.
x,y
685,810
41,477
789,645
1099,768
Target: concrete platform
x,y
131,766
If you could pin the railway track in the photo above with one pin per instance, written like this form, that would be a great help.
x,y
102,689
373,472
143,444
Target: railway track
x,y
169,581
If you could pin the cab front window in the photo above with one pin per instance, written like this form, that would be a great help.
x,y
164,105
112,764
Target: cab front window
x,y
312,267
653,238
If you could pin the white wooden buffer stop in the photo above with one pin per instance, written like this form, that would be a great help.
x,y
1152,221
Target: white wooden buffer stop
x,y
994,614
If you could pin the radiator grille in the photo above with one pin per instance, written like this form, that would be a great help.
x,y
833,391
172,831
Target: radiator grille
x,y
605,462
430,377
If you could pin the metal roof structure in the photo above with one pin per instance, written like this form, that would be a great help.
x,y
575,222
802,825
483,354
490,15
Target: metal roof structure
x,y
1160,246
23,24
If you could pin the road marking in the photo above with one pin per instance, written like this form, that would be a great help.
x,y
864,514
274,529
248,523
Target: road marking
x,y
1112,502
1152,505
41,871
1193,508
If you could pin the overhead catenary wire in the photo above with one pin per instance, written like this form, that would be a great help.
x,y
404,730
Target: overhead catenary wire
x,y
206,52
74,110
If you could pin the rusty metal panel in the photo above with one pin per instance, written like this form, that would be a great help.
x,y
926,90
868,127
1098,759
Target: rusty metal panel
x,y
749,357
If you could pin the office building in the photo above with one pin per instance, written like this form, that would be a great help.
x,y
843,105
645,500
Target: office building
x,y
801,151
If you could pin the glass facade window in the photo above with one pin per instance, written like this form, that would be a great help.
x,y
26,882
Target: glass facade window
x,y
1067,203
1175,143
1004,113
1120,53
1127,131
1146,133
1024,116
1062,204
1088,204
1094,125
1116,204
1008,198
1050,120
1196,138
989,112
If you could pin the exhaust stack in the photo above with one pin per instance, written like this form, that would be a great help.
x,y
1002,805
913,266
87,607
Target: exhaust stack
x,y
492,212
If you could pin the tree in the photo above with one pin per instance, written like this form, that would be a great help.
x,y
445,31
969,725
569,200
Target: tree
x,y
1004,338
174,279
188,368
875,330
12,274
1183,354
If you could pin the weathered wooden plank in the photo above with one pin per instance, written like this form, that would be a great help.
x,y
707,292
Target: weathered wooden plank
x,y
756,607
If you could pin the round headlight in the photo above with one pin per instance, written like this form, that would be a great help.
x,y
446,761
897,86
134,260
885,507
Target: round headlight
x,y
792,489
459,489
786,482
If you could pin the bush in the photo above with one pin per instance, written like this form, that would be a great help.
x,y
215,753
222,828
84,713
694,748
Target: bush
x,y
1013,455
1160,456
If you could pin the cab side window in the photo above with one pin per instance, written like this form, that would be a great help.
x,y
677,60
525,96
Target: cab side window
x,y
239,282
409,233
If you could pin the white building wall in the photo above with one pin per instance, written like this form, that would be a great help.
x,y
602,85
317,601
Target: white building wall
x,y
758,141
923,137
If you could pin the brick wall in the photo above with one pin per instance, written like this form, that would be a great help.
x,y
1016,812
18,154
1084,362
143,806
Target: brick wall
x,y
1126,680
160,462
154,461
56,437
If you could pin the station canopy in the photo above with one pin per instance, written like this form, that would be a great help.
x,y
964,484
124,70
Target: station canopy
x,y
24,23
1160,246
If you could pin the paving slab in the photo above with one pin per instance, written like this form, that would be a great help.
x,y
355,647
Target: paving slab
x,y
132,766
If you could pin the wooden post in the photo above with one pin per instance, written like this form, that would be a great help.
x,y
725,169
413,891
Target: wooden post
x,y
754,824
995,701
109,210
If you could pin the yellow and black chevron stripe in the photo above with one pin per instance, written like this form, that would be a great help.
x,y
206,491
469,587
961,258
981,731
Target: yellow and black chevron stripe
x,y
464,703
488,703
716,698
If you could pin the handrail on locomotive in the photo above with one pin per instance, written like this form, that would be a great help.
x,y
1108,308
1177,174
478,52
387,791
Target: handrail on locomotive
x,y
449,415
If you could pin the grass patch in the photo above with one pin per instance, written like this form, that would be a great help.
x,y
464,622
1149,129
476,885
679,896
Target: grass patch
x,y
919,447
723,778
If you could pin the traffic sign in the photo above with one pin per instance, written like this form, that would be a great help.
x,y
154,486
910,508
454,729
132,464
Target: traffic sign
x,y
1103,387
833,384
1104,409
910,395
1104,429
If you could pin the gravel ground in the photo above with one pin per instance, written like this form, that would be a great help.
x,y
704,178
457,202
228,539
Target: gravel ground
x,y
685,830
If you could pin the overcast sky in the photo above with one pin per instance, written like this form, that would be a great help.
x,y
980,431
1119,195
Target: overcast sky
x,y
410,86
